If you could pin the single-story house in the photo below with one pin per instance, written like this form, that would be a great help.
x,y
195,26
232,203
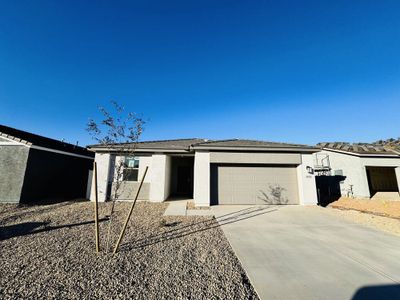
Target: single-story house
x,y
365,169
34,168
233,171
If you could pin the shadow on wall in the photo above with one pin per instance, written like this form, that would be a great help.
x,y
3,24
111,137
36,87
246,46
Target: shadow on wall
x,y
390,291
52,177
328,188
274,195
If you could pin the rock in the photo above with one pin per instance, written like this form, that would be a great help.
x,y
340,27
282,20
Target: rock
x,y
190,260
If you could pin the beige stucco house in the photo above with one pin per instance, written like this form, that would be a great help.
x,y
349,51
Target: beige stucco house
x,y
231,171
365,169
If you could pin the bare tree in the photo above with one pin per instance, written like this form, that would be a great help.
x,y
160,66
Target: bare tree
x,y
118,132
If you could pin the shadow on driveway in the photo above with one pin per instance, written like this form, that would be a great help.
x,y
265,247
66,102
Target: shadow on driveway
x,y
233,217
373,292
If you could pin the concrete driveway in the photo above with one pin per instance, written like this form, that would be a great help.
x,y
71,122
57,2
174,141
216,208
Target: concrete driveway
x,y
297,252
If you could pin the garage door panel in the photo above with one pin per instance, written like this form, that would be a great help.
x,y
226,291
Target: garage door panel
x,y
277,186
241,184
241,181
224,187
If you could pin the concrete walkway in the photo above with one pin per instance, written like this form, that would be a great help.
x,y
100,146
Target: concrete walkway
x,y
297,252
176,208
179,208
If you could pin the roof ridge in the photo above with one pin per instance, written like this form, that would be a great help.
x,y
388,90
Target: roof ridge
x,y
214,141
265,141
153,141
186,142
170,140
256,143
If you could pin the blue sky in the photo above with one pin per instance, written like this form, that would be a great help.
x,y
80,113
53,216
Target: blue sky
x,y
291,71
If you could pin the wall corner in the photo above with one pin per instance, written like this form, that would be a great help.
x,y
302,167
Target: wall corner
x,y
103,162
306,181
201,193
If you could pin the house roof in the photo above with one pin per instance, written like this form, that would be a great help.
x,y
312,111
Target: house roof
x,y
177,144
181,144
234,143
28,138
359,148
197,143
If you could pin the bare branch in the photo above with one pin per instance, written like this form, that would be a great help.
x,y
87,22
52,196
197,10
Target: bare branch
x,y
120,132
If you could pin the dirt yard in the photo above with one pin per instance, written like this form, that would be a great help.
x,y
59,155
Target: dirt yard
x,y
377,207
379,214
48,252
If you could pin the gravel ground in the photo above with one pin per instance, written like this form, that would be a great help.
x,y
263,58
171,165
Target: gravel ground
x,y
389,225
48,252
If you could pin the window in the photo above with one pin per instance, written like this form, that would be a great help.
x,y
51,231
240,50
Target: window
x,y
131,169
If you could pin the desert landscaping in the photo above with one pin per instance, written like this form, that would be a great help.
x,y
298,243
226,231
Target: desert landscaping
x,y
48,251
379,214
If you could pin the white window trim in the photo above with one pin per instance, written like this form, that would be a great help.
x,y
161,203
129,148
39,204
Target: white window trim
x,y
131,168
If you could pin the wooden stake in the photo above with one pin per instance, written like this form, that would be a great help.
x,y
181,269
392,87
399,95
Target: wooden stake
x,y
96,208
130,213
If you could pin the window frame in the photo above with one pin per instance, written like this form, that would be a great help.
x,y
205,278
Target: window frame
x,y
127,168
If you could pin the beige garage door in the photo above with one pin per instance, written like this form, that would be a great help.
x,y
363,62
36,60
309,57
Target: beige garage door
x,y
253,184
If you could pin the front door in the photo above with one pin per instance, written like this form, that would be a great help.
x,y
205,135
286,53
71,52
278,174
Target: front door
x,y
185,181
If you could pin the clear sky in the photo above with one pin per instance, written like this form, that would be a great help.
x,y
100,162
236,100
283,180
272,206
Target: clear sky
x,y
290,71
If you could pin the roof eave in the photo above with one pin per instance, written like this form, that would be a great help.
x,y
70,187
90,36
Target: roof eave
x,y
267,149
392,155
15,139
138,150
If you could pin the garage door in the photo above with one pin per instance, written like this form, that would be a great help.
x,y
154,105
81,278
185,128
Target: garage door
x,y
382,179
253,184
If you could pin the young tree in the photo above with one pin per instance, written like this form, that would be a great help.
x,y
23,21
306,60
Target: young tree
x,y
119,132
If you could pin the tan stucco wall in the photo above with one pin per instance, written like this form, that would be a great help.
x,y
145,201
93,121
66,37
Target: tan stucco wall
x,y
160,174
103,161
201,193
306,181
255,158
354,168
128,190
106,173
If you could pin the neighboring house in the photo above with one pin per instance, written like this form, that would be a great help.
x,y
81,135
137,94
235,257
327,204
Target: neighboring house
x,y
363,169
213,172
35,168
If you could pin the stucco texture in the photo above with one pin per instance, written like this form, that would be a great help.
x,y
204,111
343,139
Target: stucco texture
x,y
12,171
